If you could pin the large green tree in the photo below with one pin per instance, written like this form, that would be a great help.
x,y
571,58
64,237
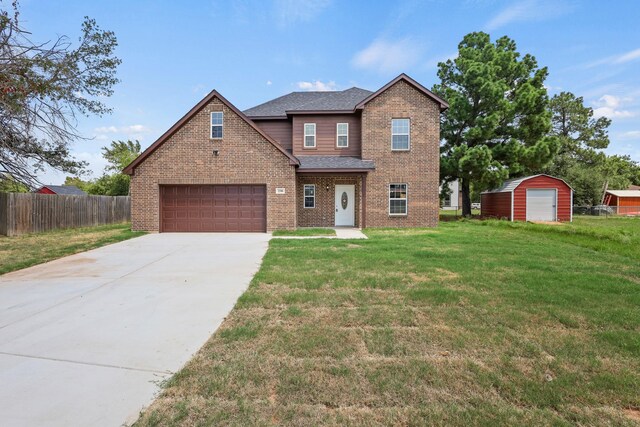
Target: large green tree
x,y
498,123
43,88
581,160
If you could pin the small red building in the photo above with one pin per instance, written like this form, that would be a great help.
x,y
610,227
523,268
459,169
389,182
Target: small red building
x,y
65,190
532,198
625,202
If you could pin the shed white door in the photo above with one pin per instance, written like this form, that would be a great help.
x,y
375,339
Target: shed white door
x,y
541,204
345,205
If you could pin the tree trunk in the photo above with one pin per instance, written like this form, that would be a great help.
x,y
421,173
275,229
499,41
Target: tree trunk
x,y
466,197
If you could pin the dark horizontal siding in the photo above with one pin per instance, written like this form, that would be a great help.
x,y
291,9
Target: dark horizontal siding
x,y
280,130
326,135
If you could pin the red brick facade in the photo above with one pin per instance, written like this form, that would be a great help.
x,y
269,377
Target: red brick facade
x,y
419,167
248,155
187,157
323,214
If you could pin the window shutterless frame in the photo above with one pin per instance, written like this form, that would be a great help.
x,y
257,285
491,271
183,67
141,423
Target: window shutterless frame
x,y
342,135
309,135
309,196
398,199
217,118
400,134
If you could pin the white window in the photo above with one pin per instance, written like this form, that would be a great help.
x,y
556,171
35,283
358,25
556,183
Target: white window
x,y
397,199
309,196
342,135
309,135
400,139
216,125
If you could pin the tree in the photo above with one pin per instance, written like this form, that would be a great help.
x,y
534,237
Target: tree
x,y
78,182
120,154
10,185
581,160
43,88
498,123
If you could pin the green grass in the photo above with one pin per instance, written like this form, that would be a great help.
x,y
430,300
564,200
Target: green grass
x,y
30,249
303,232
473,323
448,212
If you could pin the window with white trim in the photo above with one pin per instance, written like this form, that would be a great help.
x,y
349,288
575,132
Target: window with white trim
x,y
309,135
342,135
397,199
309,196
400,134
216,124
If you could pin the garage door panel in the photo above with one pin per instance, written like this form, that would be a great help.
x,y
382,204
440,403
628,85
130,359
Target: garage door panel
x,y
541,205
224,208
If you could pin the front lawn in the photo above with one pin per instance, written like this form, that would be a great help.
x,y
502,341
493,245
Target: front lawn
x,y
305,232
31,249
472,323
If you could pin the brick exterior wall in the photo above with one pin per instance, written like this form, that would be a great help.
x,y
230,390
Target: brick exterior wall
x,y
419,168
245,157
323,215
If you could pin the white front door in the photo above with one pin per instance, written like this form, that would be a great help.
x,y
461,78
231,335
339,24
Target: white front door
x,y
541,204
345,205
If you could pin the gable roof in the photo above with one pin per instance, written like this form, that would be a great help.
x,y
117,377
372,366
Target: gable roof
x,y
129,170
66,190
511,184
415,84
299,102
625,193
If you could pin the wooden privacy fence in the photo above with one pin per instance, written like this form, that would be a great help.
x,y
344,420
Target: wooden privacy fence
x,y
33,213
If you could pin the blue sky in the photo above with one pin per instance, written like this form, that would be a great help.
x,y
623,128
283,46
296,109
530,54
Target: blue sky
x,y
174,53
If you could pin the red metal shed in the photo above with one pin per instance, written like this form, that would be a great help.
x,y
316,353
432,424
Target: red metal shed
x,y
532,198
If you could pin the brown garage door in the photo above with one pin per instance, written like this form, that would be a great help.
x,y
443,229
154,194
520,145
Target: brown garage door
x,y
225,208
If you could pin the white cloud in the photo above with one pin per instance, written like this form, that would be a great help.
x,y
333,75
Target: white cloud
x,y
106,129
632,134
629,56
611,106
317,86
621,58
131,129
292,11
269,82
528,11
387,56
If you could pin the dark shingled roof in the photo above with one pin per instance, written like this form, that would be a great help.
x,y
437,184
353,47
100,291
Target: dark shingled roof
x,y
334,162
345,100
66,190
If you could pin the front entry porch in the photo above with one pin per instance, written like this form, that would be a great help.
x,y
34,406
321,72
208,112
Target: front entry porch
x,y
331,200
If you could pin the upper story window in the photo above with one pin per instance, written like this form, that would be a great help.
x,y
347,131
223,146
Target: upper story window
x,y
342,135
397,199
216,124
309,135
400,134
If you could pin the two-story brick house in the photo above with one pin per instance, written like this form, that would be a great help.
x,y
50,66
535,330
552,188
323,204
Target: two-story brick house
x,y
342,158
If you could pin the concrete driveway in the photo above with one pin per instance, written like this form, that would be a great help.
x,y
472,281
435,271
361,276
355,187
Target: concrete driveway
x,y
85,340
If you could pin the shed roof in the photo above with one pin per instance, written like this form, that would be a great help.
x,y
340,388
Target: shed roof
x,y
625,193
334,162
511,184
66,190
345,100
